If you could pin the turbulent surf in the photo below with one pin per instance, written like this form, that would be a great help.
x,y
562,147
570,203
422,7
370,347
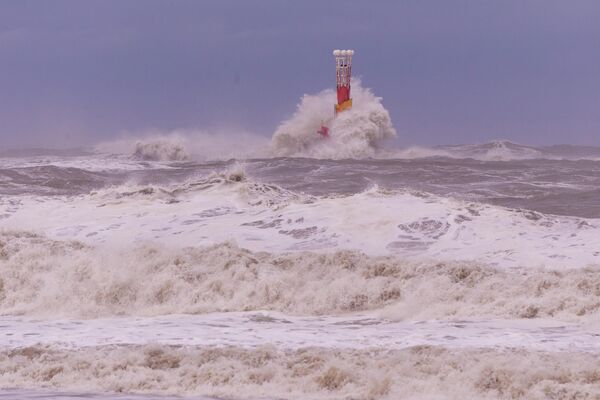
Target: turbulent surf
x,y
353,272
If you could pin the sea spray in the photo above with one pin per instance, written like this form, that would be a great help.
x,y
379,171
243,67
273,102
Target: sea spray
x,y
161,149
355,133
187,145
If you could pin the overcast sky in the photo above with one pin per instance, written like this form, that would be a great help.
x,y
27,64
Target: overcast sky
x,y
78,72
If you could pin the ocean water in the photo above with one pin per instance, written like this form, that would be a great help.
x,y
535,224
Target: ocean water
x,y
451,272
201,266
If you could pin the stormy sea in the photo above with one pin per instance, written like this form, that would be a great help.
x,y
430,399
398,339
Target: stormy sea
x,y
303,268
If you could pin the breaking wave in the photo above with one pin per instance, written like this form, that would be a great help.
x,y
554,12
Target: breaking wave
x,y
423,372
67,278
499,150
231,182
362,132
356,133
153,147
161,150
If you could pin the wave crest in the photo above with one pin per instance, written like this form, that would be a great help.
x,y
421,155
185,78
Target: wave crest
x,y
48,277
232,182
161,149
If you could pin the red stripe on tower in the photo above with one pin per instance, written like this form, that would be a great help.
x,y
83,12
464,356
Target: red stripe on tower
x,y
343,76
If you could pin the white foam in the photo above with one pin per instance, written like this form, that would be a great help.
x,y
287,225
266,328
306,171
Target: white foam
x,y
265,217
50,278
423,372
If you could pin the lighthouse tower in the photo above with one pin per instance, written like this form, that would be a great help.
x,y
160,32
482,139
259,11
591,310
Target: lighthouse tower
x,y
343,74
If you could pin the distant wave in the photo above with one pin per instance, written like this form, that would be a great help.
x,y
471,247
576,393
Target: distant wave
x,y
187,145
499,150
363,132
161,150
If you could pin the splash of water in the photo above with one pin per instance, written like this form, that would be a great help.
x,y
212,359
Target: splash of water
x,y
356,133
184,145
161,149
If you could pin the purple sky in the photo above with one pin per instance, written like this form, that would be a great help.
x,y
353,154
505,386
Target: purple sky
x,y
78,72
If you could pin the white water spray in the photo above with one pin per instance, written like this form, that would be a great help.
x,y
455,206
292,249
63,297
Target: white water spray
x,y
355,133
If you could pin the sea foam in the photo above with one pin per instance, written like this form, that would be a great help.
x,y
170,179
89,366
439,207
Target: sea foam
x,y
44,277
423,372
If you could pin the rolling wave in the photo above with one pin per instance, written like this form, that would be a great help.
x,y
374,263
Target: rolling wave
x,y
45,277
424,372
229,206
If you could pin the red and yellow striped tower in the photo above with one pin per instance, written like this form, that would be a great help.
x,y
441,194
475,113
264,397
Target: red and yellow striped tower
x,y
343,75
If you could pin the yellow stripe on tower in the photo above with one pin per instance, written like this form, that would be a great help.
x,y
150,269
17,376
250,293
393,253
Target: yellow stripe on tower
x,y
344,106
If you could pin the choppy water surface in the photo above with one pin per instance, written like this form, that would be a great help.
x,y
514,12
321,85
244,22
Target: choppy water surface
x,y
251,330
554,186
302,277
